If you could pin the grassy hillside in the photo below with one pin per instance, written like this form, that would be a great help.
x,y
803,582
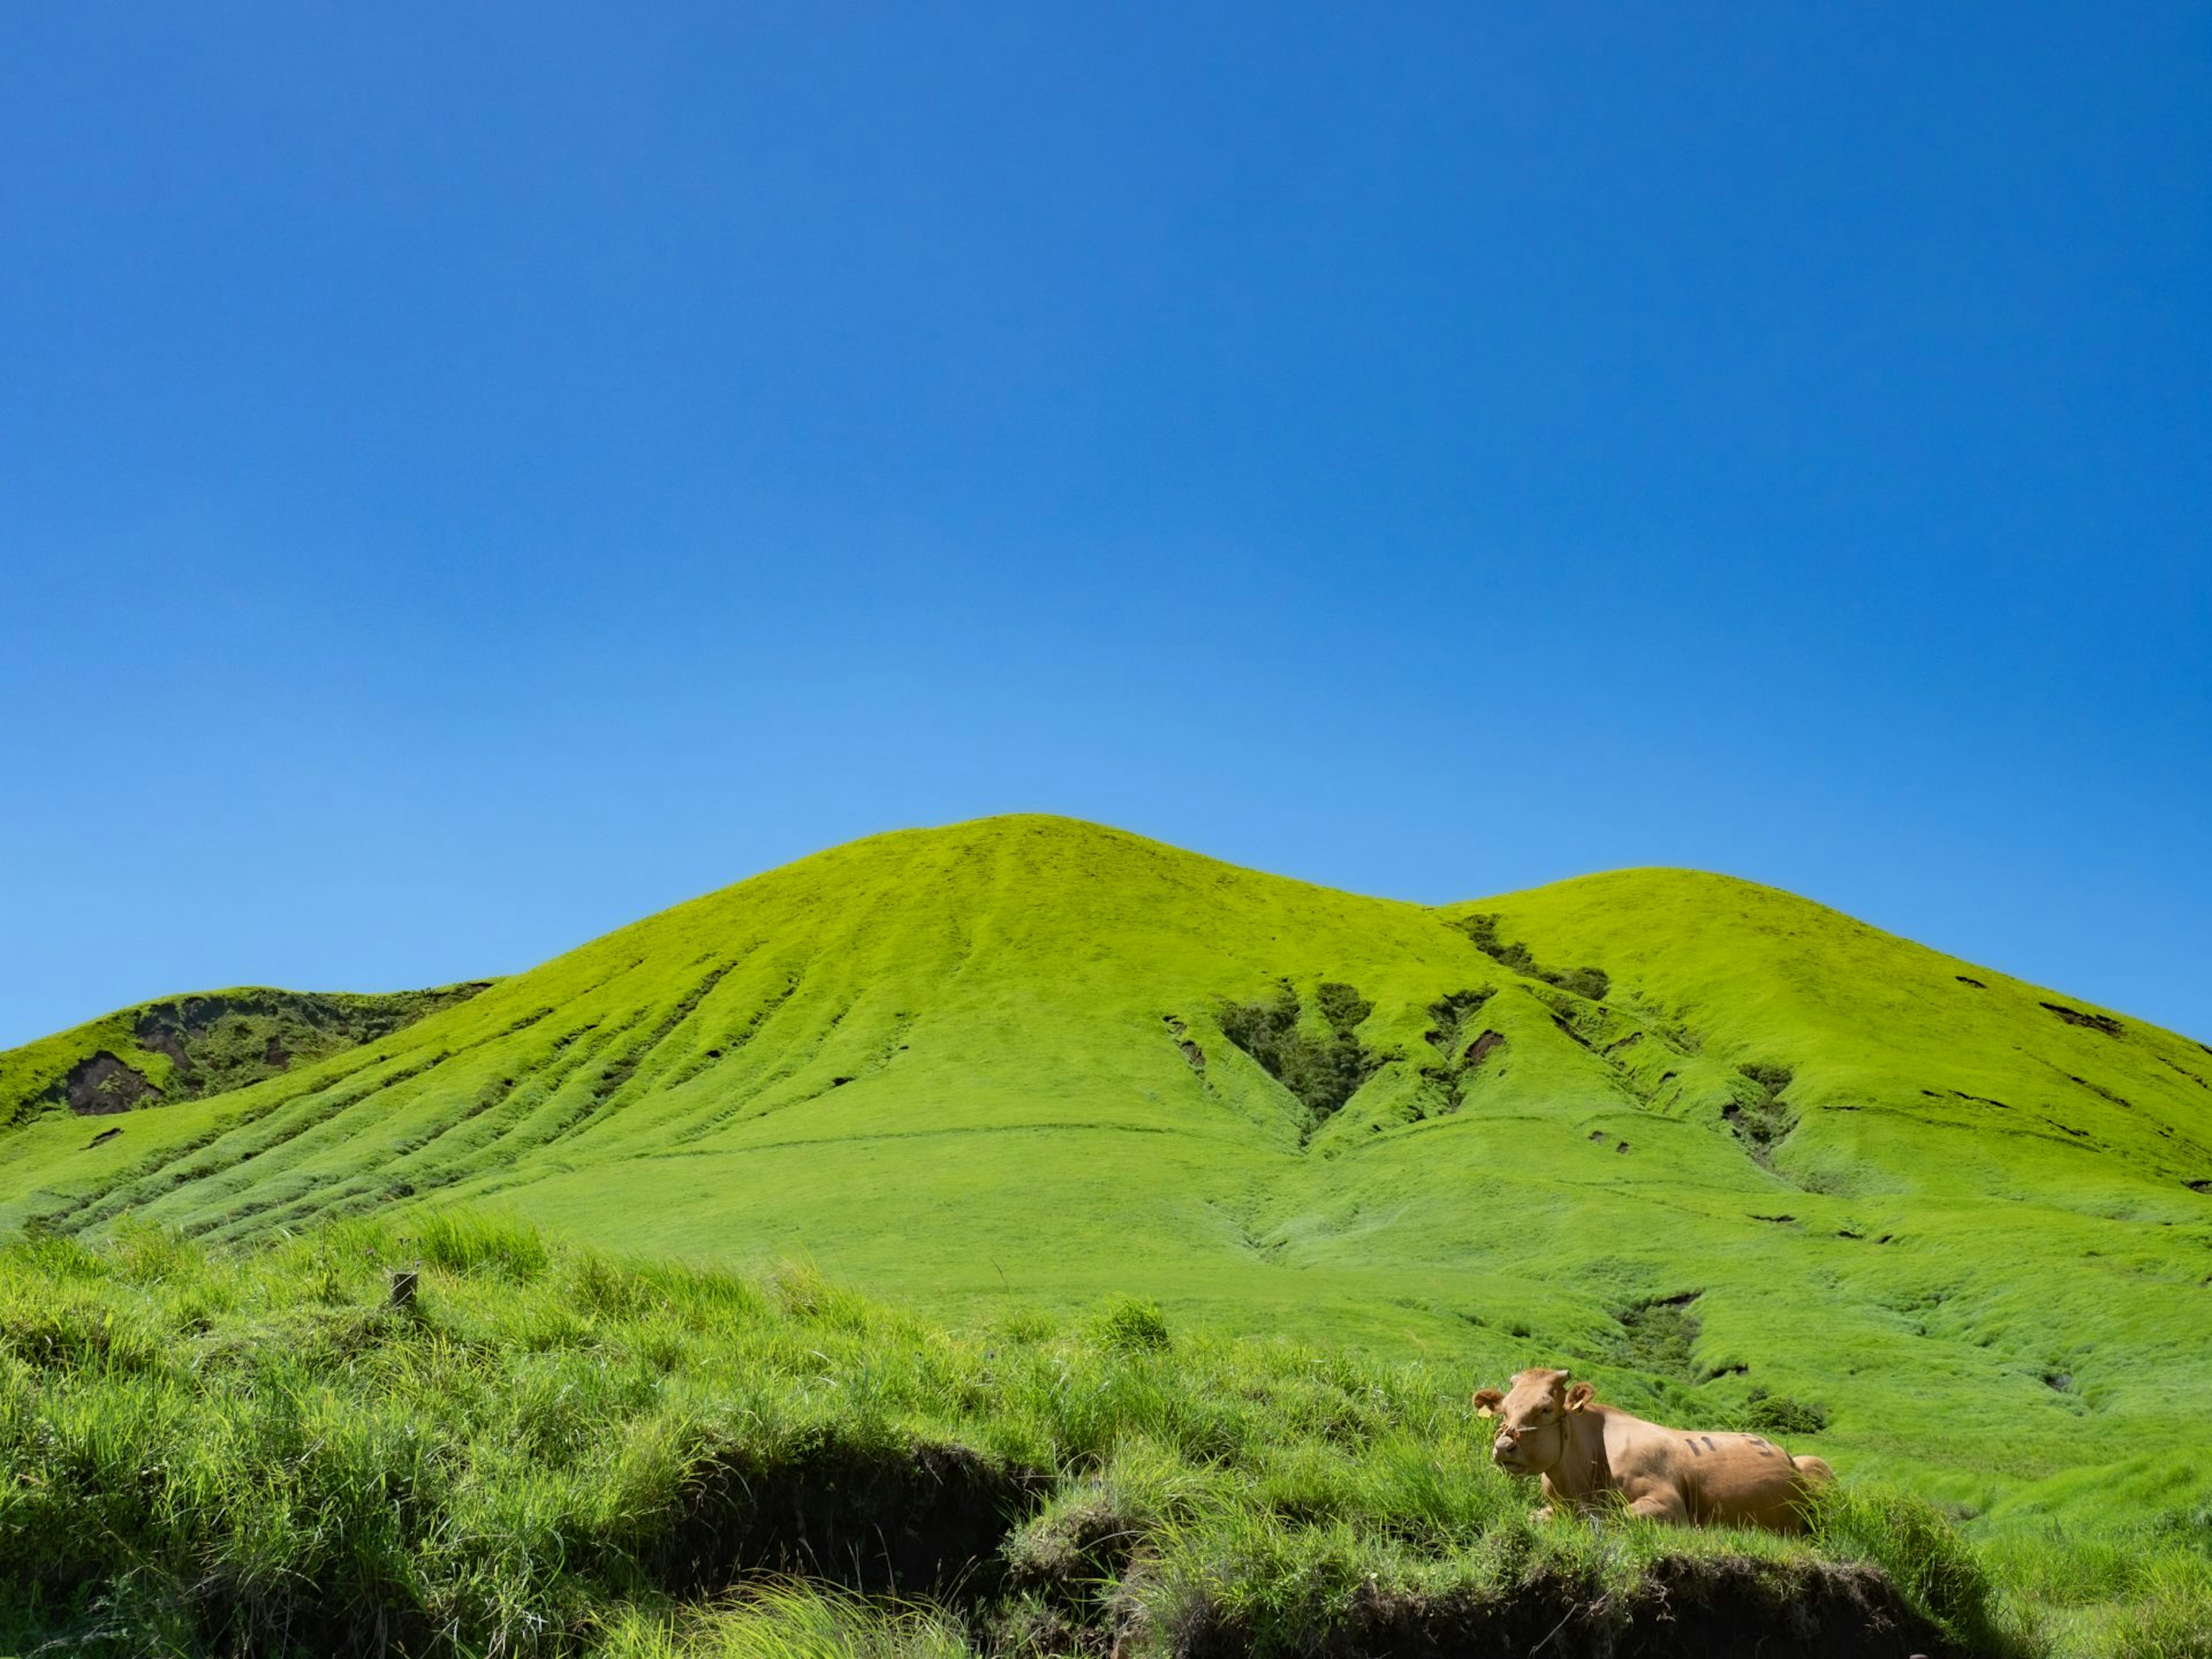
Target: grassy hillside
x,y
188,1047
551,1451
1734,1155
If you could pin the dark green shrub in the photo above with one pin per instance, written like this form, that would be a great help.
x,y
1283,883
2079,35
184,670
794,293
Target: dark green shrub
x,y
1322,1075
1584,981
1778,1413
1591,982
1483,930
1343,1007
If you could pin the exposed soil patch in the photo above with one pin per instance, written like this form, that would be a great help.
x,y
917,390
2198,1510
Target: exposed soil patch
x,y
104,1083
161,1040
1976,983
2103,1023
102,1139
1194,1056
2198,1186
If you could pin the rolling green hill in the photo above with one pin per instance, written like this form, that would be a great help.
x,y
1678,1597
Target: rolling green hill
x,y
1732,1153
190,1047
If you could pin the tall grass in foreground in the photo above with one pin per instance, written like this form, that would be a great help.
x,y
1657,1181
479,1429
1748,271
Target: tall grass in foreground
x,y
551,1451
788,1620
2142,1591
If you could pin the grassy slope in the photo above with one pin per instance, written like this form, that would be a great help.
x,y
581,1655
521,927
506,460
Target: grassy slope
x,y
551,1451
190,1047
941,1065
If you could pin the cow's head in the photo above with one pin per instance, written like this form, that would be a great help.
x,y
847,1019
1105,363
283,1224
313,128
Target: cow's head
x,y
1531,1420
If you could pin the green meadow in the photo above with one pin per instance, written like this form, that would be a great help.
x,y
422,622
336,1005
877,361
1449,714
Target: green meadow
x,y
1737,1157
546,1449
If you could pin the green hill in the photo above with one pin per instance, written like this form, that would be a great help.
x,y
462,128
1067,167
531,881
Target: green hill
x,y
188,1047
1735,1154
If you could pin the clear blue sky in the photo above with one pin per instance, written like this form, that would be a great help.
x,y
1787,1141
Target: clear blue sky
x,y
470,477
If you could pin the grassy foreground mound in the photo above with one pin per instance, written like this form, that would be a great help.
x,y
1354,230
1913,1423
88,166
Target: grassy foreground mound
x,y
549,1451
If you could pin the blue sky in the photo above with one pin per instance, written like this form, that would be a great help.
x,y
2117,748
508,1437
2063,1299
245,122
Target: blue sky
x,y
469,477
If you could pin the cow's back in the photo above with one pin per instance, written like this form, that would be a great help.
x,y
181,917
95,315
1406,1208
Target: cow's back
x,y
1722,1479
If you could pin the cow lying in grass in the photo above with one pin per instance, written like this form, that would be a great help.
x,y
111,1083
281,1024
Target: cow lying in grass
x,y
1585,1453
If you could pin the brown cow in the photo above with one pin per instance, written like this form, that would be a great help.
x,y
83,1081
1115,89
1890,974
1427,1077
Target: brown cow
x,y
1584,1452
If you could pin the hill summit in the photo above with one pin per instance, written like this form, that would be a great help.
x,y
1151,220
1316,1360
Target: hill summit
x,y
1726,1148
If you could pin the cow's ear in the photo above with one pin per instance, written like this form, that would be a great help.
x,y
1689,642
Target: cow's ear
x,y
1580,1395
1486,1402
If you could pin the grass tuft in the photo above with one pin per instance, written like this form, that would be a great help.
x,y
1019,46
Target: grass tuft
x,y
1130,1324
471,1241
1936,1571
2171,1617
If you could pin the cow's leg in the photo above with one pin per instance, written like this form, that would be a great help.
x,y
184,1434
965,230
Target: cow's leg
x,y
1662,1505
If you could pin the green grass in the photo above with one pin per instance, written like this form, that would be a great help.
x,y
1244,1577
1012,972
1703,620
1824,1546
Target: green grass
x,y
191,1047
793,1619
549,1450
992,1066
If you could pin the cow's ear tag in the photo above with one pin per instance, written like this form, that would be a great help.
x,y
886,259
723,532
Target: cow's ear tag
x,y
1580,1395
